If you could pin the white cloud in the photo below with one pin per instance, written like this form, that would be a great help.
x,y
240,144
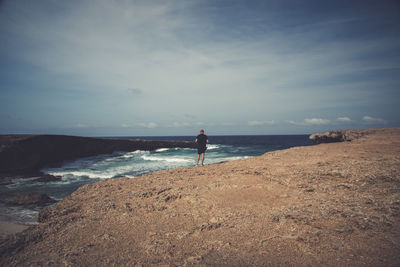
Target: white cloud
x,y
317,121
344,119
260,123
312,121
320,121
293,122
372,120
80,126
181,124
149,125
162,59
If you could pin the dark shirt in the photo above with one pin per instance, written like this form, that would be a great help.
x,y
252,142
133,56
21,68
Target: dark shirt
x,y
202,140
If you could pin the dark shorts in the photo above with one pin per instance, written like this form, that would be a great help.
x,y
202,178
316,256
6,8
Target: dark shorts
x,y
201,150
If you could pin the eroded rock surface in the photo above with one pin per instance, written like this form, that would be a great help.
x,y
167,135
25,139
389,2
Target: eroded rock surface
x,y
332,204
340,135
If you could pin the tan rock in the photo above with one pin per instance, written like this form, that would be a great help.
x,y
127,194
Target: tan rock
x,y
326,205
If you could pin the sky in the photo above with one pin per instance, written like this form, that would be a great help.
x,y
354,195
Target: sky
x,y
164,68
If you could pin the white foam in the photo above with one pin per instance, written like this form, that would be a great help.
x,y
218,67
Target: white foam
x,y
234,158
169,159
128,155
140,152
84,173
132,154
20,214
183,148
210,147
162,149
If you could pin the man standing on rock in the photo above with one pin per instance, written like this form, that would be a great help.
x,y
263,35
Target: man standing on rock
x,y
201,141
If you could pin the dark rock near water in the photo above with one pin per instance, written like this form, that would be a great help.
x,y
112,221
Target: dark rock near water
x,y
24,155
32,198
6,181
48,178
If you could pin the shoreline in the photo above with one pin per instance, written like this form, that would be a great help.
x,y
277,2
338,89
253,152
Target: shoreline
x,y
32,219
333,204
26,155
11,228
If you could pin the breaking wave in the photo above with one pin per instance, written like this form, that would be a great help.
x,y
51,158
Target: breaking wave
x,y
132,164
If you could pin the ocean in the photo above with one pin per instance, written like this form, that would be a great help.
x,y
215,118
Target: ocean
x,y
133,164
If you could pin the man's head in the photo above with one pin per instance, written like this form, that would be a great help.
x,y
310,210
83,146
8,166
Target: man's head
x,y
201,131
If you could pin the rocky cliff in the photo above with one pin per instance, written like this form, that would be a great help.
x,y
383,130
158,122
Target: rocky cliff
x,y
27,154
339,135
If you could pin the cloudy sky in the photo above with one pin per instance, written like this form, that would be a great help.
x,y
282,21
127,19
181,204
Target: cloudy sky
x,y
130,68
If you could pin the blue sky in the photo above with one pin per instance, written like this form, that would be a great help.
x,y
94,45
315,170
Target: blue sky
x,y
131,68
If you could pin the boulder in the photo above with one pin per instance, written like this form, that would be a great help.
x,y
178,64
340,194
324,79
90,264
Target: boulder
x,y
32,198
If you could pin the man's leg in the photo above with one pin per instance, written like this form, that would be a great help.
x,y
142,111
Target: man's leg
x,y
198,157
202,159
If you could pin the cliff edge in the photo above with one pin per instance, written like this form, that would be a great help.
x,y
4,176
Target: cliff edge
x,y
25,155
340,135
335,204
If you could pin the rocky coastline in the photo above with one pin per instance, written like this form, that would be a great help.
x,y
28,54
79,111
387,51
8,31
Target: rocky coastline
x,y
25,155
332,204
339,136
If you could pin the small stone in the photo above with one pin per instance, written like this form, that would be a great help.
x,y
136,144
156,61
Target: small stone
x,y
213,220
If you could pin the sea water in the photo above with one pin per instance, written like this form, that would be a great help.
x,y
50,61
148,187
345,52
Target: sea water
x,y
133,164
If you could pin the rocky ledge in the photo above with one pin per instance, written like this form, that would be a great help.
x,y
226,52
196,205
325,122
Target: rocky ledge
x,y
339,135
334,204
25,155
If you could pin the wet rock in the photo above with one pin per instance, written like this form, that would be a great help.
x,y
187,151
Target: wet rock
x,y
6,181
27,154
48,178
32,198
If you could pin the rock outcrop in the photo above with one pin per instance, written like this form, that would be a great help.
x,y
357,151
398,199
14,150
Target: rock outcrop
x,y
32,198
48,178
328,137
339,135
26,154
334,204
